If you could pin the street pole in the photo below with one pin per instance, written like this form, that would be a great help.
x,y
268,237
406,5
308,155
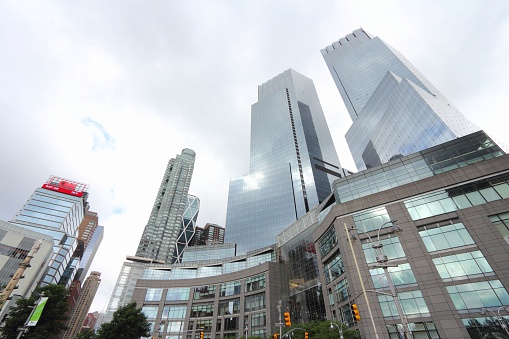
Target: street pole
x,y
340,328
382,261
497,315
280,324
361,281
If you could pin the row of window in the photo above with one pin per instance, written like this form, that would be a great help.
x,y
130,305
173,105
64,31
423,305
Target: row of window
x,y
208,291
253,302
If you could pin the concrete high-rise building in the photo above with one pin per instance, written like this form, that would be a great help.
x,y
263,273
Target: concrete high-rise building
x,y
169,231
165,224
211,234
292,163
395,110
83,305
57,209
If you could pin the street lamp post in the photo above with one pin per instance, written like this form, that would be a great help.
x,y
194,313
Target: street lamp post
x,y
340,328
497,315
383,262
280,324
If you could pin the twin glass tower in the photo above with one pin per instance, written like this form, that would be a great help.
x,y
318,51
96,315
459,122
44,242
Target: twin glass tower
x,y
395,111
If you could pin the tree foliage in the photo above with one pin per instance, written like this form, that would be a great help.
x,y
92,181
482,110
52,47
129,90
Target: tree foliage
x,y
320,330
53,318
128,323
86,334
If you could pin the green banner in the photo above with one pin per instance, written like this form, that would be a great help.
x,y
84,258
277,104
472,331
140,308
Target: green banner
x,y
36,314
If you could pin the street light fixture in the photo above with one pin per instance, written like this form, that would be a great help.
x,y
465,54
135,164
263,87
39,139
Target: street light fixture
x,y
497,315
340,328
383,262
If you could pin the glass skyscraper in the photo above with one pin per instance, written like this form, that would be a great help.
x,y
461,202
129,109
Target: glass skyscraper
x,y
292,163
56,209
395,110
174,214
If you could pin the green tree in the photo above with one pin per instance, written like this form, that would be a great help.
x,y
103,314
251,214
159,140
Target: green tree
x,y
53,318
128,323
320,330
86,334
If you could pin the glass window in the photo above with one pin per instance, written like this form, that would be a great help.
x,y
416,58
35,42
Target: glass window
x,y
255,283
478,295
372,219
333,268
470,264
391,247
202,310
341,290
258,319
227,307
445,237
485,327
154,294
230,288
412,302
328,241
401,275
177,293
174,312
150,311
501,222
204,292
254,302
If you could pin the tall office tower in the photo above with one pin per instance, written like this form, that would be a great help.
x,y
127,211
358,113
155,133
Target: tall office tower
x,y
57,210
159,239
292,163
83,305
395,110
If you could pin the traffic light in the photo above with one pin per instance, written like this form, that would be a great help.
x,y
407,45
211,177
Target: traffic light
x,y
276,336
306,335
288,322
355,312
201,335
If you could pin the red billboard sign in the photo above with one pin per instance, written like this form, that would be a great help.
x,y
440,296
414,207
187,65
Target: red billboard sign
x,y
62,190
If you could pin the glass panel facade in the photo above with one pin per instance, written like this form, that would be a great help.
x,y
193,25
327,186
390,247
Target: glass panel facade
x,y
202,310
457,198
461,266
333,268
424,330
400,275
286,181
255,283
328,241
341,290
204,292
229,288
150,311
372,220
174,312
412,302
446,237
485,327
154,294
254,302
177,293
478,295
227,307
501,222
391,247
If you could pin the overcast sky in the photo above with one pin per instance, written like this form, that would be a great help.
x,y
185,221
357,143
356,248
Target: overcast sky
x,y
106,92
